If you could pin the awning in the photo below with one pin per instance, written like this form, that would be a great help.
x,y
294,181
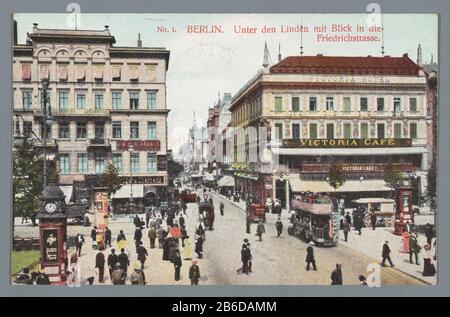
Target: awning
x,y
209,177
125,191
374,201
317,186
68,192
246,175
226,181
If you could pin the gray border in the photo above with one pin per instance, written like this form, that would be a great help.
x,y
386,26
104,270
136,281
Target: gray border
x,y
229,6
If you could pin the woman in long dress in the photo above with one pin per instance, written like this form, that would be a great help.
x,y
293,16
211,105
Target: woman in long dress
x,y
74,269
405,240
187,249
428,265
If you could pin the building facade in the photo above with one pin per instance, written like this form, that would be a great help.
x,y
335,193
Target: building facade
x,y
367,114
108,103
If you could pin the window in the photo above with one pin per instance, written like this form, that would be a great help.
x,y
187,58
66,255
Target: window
x,y
278,104
397,130
329,102
116,100
28,129
312,104
380,130
363,104
278,131
151,100
347,130
364,131
151,163
81,100
380,104
134,100
313,130
99,131
99,163
295,104
82,163
347,106
64,132
296,130
117,161
134,163
64,163
134,130
151,130
330,131
27,99
81,130
98,101
413,130
63,100
412,104
397,105
117,129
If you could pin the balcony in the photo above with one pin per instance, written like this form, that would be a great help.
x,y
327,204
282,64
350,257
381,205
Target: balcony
x,y
98,143
77,113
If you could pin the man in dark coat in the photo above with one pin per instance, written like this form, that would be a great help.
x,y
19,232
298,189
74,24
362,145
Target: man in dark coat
x,y
121,236
336,275
141,254
152,236
194,273
119,275
346,230
177,263
161,235
137,237
181,221
260,230
184,235
94,235
137,221
199,246
428,230
373,220
79,240
279,226
357,223
386,254
100,265
248,222
245,257
414,248
111,262
348,218
310,259
123,259
222,207
108,235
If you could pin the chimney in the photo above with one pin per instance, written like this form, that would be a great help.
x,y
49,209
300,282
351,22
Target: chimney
x,y
139,41
419,56
35,26
266,56
279,52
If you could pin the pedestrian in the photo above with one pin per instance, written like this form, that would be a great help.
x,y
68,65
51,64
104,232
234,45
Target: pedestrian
x,y
183,235
152,236
336,275
137,277
405,241
194,273
245,257
279,226
357,223
161,235
137,237
87,221
119,275
348,218
123,259
147,217
428,265
177,263
79,240
158,221
199,246
310,259
141,254
408,226
248,222
346,230
362,280
94,237
221,207
181,221
428,230
373,220
111,262
386,254
137,221
33,219
414,248
187,248
121,236
74,269
108,235
260,230
250,257
100,265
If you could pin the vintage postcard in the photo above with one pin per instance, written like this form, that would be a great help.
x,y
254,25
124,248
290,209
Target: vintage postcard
x,y
224,149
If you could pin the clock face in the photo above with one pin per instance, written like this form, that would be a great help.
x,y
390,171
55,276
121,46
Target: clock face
x,y
50,207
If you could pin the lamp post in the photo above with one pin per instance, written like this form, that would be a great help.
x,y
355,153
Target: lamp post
x,y
131,149
47,120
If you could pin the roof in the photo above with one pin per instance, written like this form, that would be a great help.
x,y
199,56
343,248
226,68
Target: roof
x,y
68,36
348,65
374,201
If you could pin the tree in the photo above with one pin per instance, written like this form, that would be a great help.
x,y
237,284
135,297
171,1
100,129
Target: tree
x,y
110,179
174,168
431,185
392,177
28,178
336,178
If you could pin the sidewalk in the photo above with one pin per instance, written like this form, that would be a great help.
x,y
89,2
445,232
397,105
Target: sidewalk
x,y
370,243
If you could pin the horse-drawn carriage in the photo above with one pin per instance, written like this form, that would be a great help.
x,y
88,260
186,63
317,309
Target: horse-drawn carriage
x,y
188,196
206,211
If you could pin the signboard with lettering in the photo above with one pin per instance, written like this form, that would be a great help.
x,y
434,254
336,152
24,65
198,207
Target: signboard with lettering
x,y
51,245
157,180
148,145
358,167
346,143
162,162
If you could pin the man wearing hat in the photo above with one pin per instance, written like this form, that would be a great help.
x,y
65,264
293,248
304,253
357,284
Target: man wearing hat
x,y
177,263
194,273
111,262
310,259
386,254
137,277
119,276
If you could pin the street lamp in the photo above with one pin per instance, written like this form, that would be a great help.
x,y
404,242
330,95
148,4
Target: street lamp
x,y
47,120
131,149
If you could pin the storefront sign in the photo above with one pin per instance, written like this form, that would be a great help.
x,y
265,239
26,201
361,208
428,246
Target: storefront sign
x,y
161,163
51,245
358,168
154,180
148,145
345,143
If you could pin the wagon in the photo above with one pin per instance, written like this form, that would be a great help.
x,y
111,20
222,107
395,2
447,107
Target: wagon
x,y
207,210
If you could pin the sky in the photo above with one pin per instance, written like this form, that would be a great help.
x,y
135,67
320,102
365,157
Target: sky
x,y
203,65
